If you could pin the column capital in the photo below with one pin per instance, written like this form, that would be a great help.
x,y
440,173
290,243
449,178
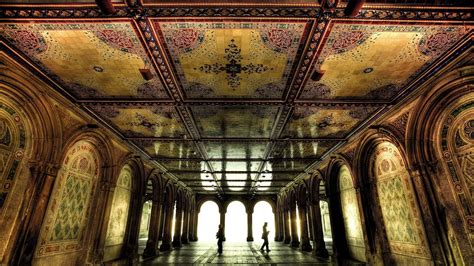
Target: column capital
x,y
48,168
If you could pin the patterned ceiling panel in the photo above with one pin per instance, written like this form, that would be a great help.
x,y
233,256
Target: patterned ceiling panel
x,y
317,122
182,165
142,121
229,166
235,121
169,149
368,61
235,150
244,59
91,60
301,149
289,165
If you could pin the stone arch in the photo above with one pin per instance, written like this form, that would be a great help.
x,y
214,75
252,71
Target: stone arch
x,y
21,100
389,189
344,201
65,240
438,149
203,200
125,208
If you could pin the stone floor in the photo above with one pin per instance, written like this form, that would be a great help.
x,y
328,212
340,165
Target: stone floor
x,y
236,253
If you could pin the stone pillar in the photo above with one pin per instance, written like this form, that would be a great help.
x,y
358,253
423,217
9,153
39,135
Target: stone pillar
x,y
318,236
185,234
222,221
151,248
38,192
178,225
286,221
161,227
249,226
194,224
305,245
277,226
310,223
166,240
295,242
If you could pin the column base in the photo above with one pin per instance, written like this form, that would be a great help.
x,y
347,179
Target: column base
x,y
185,240
249,238
286,241
150,252
177,243
321,252
306,247
165,247
295,243
194,239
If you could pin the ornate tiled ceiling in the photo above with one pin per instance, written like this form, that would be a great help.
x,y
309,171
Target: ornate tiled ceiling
x,y
227,104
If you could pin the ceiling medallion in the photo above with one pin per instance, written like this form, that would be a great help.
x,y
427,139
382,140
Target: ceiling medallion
x,y
98,69
234,68
368,70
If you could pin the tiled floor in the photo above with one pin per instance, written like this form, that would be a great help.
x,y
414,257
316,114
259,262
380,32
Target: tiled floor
x,y
236,253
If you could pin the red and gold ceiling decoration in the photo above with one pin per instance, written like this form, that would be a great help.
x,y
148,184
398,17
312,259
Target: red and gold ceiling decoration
x,y
229,106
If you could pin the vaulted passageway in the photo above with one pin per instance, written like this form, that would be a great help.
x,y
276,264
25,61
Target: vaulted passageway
x,y
129,130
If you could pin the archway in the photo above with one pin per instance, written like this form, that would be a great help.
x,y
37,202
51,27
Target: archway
x,y
208,221
399,213
119,214
235,218
262,212
325,222
67,218
144,225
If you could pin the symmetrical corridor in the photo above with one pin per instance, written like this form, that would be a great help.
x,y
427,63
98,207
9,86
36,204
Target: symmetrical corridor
x,y
236,253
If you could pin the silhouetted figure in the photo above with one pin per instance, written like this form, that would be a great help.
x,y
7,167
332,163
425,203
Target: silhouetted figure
x,y
220,238
265,237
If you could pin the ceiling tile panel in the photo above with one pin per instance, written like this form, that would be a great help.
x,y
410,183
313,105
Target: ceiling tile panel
x,y
229,166
318,122
235,121
169,149
183,165
91,60
142,121
369,61
301,149
235,150
235,59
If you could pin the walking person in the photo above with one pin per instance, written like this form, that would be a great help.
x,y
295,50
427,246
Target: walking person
x,y
265,237
220,238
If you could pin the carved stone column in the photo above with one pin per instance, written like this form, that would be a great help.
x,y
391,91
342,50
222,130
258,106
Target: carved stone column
x,y
310,224
38,192
162,222
277,226
318,236
286,221
295,242
151,248
178,225
166,240
222,221
305,244
249,226
185,234
194,224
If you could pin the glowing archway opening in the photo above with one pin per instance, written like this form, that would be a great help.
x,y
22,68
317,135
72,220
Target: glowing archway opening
x,y
174,222
262,213
298,226
144,225
325,221
236,222
208,221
